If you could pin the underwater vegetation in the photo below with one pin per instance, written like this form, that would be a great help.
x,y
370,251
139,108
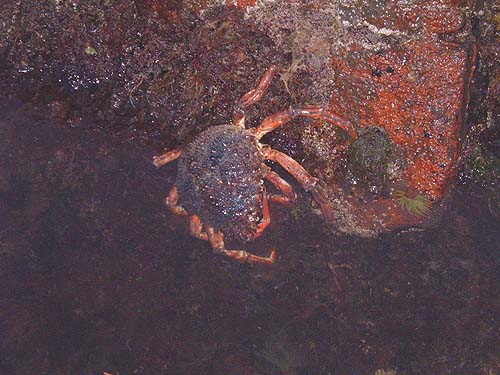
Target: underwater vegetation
x,y
482,167
281,352
420,205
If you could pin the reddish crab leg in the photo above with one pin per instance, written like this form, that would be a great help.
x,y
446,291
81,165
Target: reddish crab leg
x,y
288,196
253,96
281,118
171,202
167,157
196,228
217,241
266,218
308,182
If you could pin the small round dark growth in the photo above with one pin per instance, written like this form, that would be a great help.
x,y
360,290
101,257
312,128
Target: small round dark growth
x,y
369,157
220,179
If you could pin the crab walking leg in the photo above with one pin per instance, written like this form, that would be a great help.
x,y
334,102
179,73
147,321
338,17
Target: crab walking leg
x,y
308,182
288,196
196,228
216,239
253,96
266,218
281,118
166,158
171,202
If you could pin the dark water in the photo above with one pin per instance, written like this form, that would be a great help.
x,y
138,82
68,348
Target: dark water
x,y
97,276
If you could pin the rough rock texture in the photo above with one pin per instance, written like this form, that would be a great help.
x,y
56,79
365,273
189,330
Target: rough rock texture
x,y
402,66
161,72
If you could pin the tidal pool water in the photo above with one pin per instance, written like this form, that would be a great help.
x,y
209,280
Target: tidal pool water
x,y
98,277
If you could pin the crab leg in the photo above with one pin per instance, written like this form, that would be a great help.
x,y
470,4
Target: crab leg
x,y
266,218
171,202
308,182
281,118
288,196
166,158
253,96
216,239
196,228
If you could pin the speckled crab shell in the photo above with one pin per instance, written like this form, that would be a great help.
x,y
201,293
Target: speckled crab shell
x,y
220,178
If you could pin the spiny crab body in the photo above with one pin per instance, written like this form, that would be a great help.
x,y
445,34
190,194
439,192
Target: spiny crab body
x,y
221,177
221,173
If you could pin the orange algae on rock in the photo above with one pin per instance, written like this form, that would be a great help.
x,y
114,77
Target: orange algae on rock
x,y
416,95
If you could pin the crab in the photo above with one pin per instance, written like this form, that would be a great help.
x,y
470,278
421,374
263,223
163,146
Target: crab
x,y
221,173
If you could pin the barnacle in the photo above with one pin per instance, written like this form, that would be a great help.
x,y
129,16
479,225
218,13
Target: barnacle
x,y
420,205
